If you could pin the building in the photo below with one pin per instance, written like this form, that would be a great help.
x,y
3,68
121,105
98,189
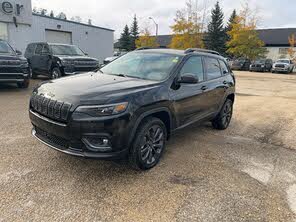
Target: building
x,y
19,26
276,41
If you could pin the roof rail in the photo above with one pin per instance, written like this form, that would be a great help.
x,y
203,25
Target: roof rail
x,y
190,50
143,48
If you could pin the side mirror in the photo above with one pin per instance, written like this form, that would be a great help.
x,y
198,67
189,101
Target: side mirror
x,y
188,79
18,52
86,53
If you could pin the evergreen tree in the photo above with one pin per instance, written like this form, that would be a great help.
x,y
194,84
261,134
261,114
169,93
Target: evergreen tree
x,y
125,39
215,39
231,21
134,33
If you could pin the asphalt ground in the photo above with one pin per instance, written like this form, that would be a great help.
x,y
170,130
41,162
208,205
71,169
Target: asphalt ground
x,y
245,173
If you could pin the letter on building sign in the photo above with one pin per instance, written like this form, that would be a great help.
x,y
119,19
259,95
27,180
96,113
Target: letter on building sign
x,y
7,7
18,9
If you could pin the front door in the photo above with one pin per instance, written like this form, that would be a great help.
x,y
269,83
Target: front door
x,y
190,100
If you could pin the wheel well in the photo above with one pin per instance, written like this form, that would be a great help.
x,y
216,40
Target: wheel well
x,y
165,118
231,97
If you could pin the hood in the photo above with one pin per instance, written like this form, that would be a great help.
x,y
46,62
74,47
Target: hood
x,y
12,60
85,88
76,58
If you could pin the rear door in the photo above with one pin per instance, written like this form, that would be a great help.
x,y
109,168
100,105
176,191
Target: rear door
x,y
45,59
216,82
35,59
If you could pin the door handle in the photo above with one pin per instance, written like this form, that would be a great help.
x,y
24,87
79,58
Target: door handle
x,y
204,88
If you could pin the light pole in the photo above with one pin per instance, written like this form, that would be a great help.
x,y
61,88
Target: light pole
x,y
156,25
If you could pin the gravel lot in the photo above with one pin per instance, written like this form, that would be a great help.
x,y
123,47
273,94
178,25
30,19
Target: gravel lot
x,y
246,173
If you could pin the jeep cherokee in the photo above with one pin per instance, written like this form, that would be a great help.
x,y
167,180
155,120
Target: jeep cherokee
x,y
131,106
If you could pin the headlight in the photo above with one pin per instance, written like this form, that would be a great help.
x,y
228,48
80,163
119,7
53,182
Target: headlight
x,y
67,62
103,110
24,64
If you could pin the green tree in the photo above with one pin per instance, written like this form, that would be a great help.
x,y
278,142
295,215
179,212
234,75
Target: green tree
x,y
215,39
125,39
231,20
134,33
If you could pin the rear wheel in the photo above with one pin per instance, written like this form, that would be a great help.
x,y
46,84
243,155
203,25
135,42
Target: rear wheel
x,y
56,73
24,85
222,121
149,144
33,75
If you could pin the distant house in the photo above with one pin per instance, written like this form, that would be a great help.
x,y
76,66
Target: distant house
x,y
276,41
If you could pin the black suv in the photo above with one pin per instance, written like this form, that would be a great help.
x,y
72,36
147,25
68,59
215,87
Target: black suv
x,y
56,60
13,67
261,65
131,106
241,64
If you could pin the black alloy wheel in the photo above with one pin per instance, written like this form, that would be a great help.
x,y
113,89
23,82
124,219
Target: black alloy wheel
x,y
223,119
149,144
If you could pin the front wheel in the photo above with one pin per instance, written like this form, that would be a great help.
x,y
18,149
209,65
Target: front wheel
x,y
149,144
222,121
56,73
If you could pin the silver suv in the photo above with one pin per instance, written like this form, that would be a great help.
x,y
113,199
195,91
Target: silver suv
x,y
283,65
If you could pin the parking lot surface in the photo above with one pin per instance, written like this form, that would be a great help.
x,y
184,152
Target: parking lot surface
x,y
246,173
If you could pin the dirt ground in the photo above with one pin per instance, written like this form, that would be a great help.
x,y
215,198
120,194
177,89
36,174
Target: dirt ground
x,y
246,173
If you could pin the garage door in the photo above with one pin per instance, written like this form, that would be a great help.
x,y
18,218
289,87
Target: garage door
x,y
58,37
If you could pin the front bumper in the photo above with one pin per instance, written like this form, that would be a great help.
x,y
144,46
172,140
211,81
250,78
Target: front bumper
x,y
68,138
277,69
13,77
257,69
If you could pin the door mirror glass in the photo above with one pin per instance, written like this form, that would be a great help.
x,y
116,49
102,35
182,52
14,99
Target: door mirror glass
x,y
188,79
18,52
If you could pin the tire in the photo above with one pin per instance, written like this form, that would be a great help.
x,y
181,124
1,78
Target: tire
x,y
56,73
223,119
33,75
24,85
148,145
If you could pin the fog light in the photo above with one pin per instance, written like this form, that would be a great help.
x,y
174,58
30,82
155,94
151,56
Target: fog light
x,y
97,144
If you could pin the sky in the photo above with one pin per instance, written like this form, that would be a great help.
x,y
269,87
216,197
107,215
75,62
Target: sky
x,y
115,14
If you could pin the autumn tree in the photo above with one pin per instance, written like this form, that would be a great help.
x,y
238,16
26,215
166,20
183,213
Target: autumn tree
x,y
187,28
244,40
146,40
216,37
291,50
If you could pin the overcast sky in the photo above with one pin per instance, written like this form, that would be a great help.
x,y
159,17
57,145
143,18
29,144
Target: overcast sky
x,y
115,14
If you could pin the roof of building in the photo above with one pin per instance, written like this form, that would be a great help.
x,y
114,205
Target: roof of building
x,y
276,37
77,23
271,37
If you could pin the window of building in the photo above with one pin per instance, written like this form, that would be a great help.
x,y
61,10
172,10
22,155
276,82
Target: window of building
x,y
194,66
213,68
3,31
283,51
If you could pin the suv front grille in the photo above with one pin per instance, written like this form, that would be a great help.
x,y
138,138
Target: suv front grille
x,y
51,108
280,66
52,139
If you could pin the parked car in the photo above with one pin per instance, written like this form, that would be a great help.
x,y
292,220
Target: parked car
x,y
132,106
241,64
13,67
261,65
56,60
283,65
112,58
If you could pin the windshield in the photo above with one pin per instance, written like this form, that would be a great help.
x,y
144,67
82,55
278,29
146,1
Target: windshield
x,y
260,61
143,65
5,48
283,61
70,50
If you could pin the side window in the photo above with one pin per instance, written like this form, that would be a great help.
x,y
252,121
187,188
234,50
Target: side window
x,y
193,66
38,49
212,68
45,49
224,67
30,50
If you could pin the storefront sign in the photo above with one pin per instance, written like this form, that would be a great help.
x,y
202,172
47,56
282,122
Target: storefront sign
x,y
16,10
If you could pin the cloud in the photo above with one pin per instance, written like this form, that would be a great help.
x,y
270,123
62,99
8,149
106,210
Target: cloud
x,y
116,13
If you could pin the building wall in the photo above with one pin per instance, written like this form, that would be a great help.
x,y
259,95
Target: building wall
x,y
276,53
96,42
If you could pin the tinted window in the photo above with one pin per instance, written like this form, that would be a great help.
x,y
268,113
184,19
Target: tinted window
x,y
193,66
213,68
70,50
38,49
30,49
45,49
224,67
5,48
